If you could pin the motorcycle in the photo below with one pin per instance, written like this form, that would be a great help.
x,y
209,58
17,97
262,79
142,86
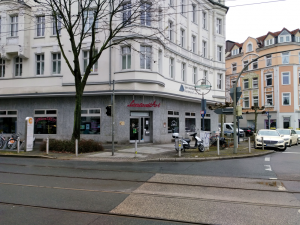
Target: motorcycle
x,y
2,141
186,142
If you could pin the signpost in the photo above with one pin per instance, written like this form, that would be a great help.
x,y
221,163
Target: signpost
x,y
28,134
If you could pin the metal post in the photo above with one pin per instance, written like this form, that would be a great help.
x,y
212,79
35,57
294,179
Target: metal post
x,y
263,145
18,146
76,147
249,145
218,145
234,117
203,116
179,147
238,129
113,120
135,146
47,146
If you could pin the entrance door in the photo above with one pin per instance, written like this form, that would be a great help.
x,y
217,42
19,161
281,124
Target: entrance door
x,y
134,129
140,129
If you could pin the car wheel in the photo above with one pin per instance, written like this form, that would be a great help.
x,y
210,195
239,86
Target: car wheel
x,y
284,148
290,143
297,142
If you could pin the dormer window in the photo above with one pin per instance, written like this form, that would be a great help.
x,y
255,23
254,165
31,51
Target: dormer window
x,y
269,42
235,52
249,48
284,37
297,39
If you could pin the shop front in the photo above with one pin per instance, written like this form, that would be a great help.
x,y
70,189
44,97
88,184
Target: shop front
x,y
140,127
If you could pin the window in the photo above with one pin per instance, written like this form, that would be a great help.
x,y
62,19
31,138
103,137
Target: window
x,y
204,49
204,20
219,26
297,39
146,14
246,84
8,121
269,42
219,81
171,31
90,121
285,58
245,63
126,57
255,101
86,61
285,78
88,17
40,26
249,48
160,61
14,26
286,98
182,38
18,67
190,122
194,13
269,99
235,52
284,37
286,122
255,65
182,6
205,75
233,67
40,64
193,43
56,63
255,82
145,57
183,72
268,60
127,13
45,121
171,2
173,122
219,56
54,26
2,67
194,75
246,102
171,67
269,79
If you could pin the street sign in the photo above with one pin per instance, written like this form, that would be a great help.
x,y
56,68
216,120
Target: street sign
x,y
239,117
226,111
238,93
202,112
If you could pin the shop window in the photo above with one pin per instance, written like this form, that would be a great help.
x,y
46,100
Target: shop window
x,y
173,122
190,122
286,122
90,121
8,121
45,121
206,125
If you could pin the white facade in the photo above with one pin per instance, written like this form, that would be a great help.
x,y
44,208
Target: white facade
x,y
33,48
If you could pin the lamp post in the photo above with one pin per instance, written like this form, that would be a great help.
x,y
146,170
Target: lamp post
x,y
203,87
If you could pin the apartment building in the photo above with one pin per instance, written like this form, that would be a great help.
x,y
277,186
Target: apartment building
x,y
272,81
154,78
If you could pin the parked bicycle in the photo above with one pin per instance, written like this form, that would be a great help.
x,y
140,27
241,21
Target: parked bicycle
x,y
213,140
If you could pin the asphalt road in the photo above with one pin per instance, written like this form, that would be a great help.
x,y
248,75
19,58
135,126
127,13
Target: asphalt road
x,y
260,190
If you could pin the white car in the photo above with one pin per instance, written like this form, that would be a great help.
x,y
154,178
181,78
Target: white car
x,y
271,138
290,136
298,132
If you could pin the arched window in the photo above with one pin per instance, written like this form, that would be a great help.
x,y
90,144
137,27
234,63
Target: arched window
x,y
249,48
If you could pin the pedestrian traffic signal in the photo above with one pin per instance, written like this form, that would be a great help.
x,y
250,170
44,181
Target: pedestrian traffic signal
x,y
108,110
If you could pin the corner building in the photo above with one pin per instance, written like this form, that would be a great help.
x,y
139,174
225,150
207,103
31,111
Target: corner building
x,y
273,81
154,95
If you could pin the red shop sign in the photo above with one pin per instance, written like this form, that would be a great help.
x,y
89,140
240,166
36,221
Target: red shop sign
x,y
149,105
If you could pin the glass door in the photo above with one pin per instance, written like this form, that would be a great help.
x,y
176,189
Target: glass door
x,y
134,129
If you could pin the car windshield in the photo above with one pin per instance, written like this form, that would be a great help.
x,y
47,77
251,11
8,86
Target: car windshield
x,y
297,131
268,133
285,132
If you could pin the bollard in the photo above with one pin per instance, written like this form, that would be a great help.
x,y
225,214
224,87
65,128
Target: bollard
x,y
47,146
179,147
218,145
263,145
135,146
249,145
76,147
18,145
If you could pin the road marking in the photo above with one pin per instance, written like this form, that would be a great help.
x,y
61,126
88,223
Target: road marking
x,y
267,158
268,167
292,152
272,178
299,211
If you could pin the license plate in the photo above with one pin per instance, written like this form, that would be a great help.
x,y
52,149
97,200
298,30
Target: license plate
x,y
270,145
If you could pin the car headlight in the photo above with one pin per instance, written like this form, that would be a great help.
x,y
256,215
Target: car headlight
x,y
286,139
258,139
280,141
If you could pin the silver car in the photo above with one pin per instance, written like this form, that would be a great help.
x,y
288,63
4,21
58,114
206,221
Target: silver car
x,y
271,138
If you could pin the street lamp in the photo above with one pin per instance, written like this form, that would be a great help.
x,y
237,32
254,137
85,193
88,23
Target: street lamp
x,y
203,87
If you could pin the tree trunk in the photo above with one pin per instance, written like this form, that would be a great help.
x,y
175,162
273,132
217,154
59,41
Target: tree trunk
x,y
77,117
255,121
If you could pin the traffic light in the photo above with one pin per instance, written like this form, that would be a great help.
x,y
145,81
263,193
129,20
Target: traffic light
x,y
239,110
108,110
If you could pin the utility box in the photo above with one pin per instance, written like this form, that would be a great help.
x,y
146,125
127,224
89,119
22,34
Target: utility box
x,y
28,134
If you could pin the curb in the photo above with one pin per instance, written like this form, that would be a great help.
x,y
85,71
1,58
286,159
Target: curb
x,y
29,156
206,159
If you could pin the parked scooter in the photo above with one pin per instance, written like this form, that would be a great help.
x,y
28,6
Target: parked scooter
x,y
186,142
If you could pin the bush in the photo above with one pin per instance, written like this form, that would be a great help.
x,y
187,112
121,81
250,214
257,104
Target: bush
x,y
84,146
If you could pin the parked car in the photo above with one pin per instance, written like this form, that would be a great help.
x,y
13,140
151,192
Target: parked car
x,y
298,132
290,136
271,139
248,130
229,127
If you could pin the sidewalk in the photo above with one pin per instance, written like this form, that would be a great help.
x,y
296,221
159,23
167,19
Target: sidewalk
x,y
145,152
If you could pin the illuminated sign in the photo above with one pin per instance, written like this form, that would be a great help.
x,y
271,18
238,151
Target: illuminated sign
x,y
149,105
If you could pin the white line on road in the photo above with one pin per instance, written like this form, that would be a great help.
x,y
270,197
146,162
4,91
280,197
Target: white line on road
x,y
267,158
268,167
292,152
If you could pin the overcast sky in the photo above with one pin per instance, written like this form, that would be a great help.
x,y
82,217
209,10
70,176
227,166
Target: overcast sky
x,y
257,20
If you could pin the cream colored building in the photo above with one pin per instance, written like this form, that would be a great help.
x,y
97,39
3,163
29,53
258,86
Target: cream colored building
x,y
154,95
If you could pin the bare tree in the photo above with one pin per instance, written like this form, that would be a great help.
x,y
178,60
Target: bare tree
x,y
85,19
